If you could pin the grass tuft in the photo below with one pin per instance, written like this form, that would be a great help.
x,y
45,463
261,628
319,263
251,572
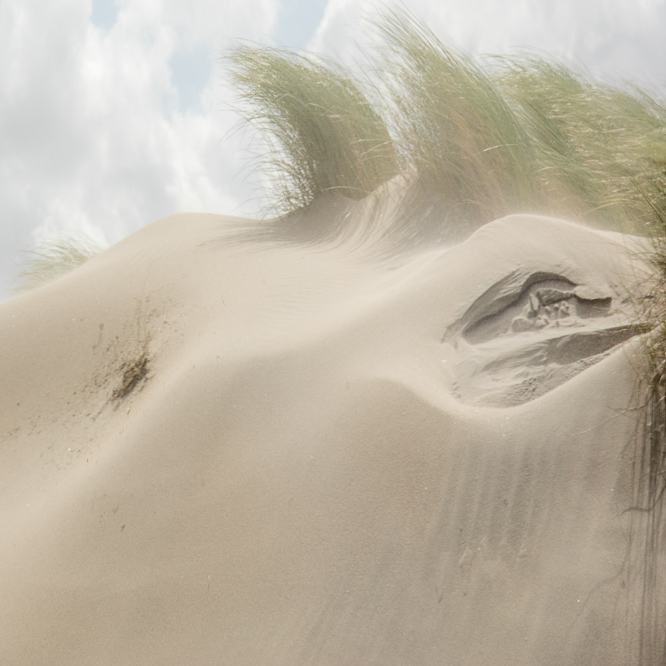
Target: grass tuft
x,y
321,131
594,142
463,139
52,258
479,138
650,459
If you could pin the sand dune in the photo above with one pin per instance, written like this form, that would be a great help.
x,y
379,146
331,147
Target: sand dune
x,y
223,445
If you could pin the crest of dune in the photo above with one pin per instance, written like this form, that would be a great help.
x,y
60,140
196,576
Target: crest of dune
x,y
415,419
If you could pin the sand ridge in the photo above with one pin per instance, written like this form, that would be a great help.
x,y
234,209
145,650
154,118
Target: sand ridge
x,y
219,448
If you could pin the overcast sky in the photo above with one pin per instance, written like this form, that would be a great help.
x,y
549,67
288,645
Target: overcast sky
x,y
113,113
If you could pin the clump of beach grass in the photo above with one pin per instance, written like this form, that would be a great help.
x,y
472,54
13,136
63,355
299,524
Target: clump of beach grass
x,y
52,258
322,133
478,138
594,142
463,139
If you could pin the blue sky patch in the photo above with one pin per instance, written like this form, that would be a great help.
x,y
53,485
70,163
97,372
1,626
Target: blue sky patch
x,y
104,13
297,22
190,71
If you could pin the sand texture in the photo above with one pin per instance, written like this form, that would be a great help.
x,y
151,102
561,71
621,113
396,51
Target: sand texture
x,y
222,444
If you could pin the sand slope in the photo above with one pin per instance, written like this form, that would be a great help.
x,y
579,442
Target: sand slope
x,y
219,450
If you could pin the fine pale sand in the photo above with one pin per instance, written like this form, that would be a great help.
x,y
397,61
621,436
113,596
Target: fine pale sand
x,y
225,445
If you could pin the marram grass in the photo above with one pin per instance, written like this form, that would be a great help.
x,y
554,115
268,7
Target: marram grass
x,y
650,452
321,131
455,128
52,258
484,138
595,143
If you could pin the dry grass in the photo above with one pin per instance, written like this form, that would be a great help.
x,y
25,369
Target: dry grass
x,y
454,127
594,142
52,258
321,131
485,138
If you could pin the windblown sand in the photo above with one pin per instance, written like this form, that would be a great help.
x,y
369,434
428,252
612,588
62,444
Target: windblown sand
x,y
223,447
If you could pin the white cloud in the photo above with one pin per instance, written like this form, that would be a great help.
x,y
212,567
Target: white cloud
x,y
614,38
215,22
93,135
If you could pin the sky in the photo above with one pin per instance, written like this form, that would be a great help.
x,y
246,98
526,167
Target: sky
x,y
115,113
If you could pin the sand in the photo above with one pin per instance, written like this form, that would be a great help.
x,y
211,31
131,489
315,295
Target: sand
x,y
220,446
